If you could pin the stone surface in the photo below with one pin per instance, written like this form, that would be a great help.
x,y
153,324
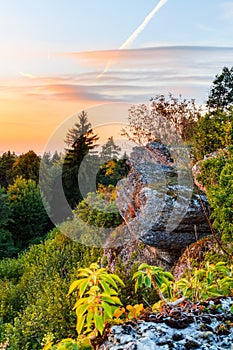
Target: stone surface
x,y
157,201
124,249
195,251
150,335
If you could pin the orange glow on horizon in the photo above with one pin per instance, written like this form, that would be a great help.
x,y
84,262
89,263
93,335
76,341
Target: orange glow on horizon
x,y
28,123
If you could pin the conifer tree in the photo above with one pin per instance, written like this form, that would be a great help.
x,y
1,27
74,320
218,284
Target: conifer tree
x,y
84,140
221,93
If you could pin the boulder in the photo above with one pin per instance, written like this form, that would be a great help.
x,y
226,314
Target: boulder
x,y
122,250
159,203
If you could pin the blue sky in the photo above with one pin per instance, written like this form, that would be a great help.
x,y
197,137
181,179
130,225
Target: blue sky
x,y
90,25
53,54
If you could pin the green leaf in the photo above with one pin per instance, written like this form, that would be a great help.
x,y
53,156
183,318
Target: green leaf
x,y
182,283
79,302
111,300
90,318
148,282
137,274
80,323
83,274
143,266
159,280
105,287
222,268
73,286
108,310
140,280
85,271
220,263
156,269
94,266
213,291
169,275
82,287
80,310
99,323
118,279
136,286
109,279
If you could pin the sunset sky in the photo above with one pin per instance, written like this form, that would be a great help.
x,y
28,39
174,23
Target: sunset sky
x,y
61,57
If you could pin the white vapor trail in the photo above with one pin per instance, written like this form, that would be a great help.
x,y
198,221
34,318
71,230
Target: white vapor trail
x,y
139,29
143,25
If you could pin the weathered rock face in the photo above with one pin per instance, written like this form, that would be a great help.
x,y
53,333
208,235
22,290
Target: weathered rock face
x,y
181,329
121,248
195,251
157,201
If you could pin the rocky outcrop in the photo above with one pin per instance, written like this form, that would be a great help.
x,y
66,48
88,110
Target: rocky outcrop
x,y
195,252
122,250
181,329
158,203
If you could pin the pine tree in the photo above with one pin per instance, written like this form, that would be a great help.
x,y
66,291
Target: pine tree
x,y
221,93
84,140
110,150
80,128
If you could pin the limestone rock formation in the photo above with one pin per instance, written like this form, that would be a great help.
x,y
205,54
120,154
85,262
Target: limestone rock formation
x,y
122,249
157,200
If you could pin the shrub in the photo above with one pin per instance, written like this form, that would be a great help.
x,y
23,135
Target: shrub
x,y
221,200
99,209
212,132
32,301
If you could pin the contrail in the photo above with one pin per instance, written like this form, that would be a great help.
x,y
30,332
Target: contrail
x,y
143,25
139,29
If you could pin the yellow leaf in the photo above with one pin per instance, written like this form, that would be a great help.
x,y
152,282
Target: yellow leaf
x,y
48,346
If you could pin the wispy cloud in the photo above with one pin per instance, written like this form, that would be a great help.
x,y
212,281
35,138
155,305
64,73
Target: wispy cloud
x,y
154,54
27,75
139,75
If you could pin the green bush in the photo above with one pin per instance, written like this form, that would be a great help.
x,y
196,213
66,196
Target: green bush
x,y
211,170
212,132
29,218
32,302
99,209
221,200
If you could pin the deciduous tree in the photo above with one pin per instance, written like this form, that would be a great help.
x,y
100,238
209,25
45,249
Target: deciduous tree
x,y
7,248
165,118
29,218
6,162
27,165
